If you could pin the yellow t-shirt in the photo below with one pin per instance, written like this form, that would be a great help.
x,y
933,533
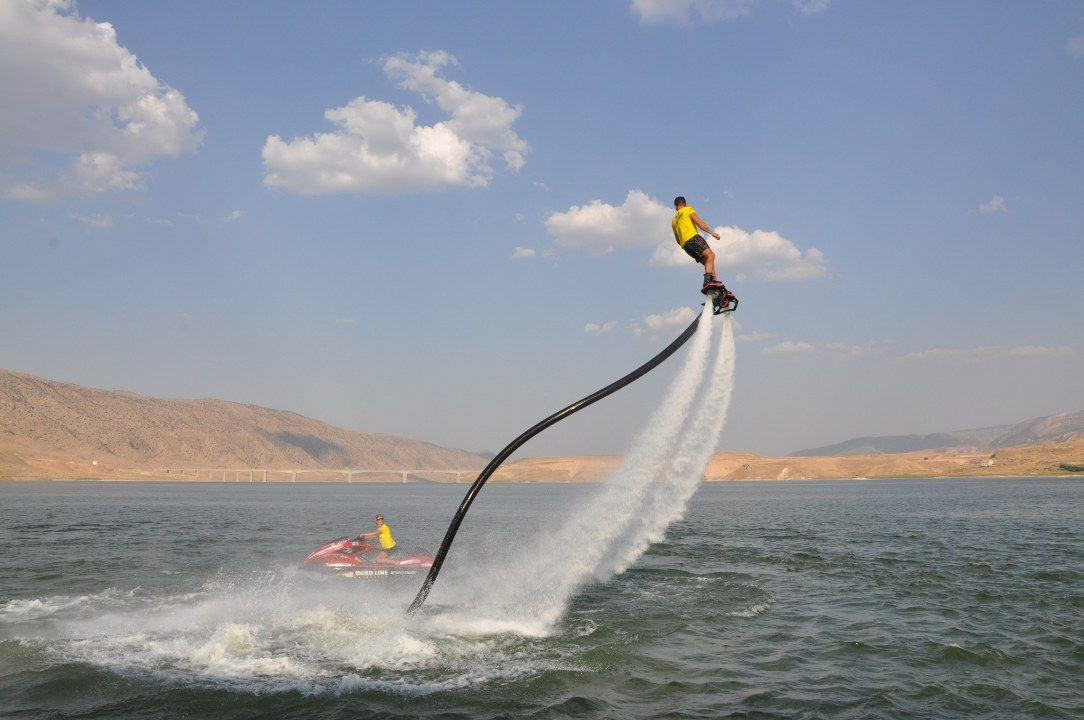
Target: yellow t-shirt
x,y
387,542
683,225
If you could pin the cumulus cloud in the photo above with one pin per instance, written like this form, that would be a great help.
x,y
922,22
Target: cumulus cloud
x,y
235,215
654,325
601,228
1075,46
685,11
643,221
380,148
521,252
72,92
754,336
484,121
763,253
599,328
996,204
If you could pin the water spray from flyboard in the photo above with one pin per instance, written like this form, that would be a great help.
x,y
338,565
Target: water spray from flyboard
x,y
648,492
657,477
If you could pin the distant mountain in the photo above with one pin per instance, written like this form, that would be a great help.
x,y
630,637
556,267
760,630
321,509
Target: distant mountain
x,y
1050,429
79,425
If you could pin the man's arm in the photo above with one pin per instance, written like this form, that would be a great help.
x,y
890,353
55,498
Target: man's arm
x,y
703,225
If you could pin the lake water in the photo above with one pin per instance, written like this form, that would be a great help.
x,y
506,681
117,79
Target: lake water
x,y
961,598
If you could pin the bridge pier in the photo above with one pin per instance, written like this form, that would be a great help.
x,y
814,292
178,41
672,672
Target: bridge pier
x,y
222,474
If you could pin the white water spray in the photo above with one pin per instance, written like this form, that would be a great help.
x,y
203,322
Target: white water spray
x,y
668,496
639,500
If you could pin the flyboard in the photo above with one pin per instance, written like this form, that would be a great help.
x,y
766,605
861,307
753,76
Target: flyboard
x,y
722,301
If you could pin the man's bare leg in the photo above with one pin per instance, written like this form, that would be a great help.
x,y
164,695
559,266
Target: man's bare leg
x,y
709,262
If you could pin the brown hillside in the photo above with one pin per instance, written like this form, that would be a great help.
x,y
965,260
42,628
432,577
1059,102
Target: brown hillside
x,y
54,429
1029,460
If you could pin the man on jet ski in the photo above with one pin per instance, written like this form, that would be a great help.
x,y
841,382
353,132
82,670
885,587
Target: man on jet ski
x,y
383,536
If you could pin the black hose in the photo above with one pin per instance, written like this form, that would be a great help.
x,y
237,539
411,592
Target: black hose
x,y
556,417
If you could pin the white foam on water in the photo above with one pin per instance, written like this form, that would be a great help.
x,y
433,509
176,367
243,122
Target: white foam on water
x,y
26,609
753,610
291,632
640,499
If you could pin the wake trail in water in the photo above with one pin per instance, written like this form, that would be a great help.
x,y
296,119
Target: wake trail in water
x,y
647,492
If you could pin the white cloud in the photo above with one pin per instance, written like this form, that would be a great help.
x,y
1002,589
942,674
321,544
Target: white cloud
x,y
482,120
684,11
883,348
989,352
541,185
521,252
643,221
235,215
811,7
789,347
1040,351
653,325
764,253
1075,46
71,91
754,336
836,349
599,329
379,148
96,220
873,347
996,204
600,228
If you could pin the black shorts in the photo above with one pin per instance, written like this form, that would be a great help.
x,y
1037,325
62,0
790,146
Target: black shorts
x,y
695,247
390,551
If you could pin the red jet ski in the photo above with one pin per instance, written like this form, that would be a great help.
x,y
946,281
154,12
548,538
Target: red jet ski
x,y
350,557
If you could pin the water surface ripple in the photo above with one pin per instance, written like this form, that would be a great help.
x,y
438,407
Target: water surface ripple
x,y
885,599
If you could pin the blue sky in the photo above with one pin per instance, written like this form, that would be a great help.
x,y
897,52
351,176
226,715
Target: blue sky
x,y
900,186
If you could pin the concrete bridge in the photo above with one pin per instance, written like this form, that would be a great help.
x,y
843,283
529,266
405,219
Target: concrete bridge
x,y
224,474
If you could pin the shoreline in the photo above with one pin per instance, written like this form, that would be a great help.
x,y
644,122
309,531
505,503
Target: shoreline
x,y
705,481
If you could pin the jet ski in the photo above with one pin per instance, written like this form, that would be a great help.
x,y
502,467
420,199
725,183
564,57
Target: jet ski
x,y
355,558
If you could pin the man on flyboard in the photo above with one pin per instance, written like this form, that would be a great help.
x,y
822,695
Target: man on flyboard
x,y
685,224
